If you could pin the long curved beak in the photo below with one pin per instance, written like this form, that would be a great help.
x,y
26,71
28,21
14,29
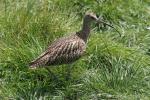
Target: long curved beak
x,y
101,21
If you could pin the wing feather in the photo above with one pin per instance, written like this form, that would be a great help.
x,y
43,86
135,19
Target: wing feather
x,y
60,52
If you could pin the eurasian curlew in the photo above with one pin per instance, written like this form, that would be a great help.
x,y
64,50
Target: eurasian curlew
x,y
67,49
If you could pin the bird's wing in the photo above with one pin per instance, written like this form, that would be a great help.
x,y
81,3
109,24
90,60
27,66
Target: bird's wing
x,y
69,51
45,56
65,49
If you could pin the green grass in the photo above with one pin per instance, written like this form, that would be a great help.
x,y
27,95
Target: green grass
x,y
113,68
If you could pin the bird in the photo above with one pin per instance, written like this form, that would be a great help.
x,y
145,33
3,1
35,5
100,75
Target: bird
x,y
69,49
66,50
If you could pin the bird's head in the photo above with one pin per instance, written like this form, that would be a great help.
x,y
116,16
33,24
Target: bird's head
x,y
91,17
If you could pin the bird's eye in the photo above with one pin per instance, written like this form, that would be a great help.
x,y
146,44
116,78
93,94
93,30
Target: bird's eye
x,y
92,17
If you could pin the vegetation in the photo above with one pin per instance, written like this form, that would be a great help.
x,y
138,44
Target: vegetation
x,y
114,67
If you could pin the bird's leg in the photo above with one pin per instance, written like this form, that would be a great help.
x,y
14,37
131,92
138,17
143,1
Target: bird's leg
x,y
69,68
51,73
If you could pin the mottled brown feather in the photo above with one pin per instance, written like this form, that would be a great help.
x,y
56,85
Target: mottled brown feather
x,y
67,49
62,51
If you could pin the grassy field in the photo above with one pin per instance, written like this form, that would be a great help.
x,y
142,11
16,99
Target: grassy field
x,y
114,67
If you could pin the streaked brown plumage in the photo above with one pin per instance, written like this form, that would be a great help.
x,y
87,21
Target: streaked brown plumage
x,y
67,49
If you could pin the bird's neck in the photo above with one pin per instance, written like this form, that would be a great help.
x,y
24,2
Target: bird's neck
x,y
85,31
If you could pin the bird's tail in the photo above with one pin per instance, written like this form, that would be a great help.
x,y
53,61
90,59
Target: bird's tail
x,y
33,65
36,63
40,61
